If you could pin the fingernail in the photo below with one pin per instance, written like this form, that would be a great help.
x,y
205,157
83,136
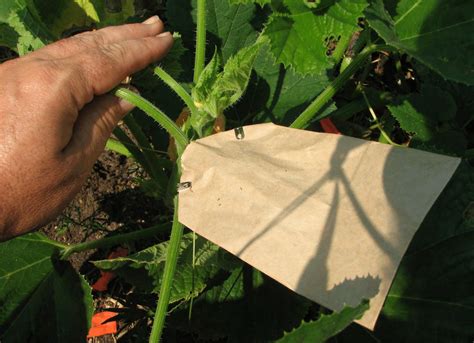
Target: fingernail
x,y
152,20
164,34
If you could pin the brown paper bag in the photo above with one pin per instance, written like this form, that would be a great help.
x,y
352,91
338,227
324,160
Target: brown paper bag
x,y
328,216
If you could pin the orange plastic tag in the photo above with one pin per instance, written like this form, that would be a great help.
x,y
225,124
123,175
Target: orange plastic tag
x,y
102,283
99,329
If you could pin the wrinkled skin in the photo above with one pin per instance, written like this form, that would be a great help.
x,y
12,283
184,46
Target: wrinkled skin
x,y
56,116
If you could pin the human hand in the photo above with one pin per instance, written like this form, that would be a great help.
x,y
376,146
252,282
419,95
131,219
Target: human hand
x,y
56,116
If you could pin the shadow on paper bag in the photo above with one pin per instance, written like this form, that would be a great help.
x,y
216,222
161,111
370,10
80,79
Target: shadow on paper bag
x,y
328,216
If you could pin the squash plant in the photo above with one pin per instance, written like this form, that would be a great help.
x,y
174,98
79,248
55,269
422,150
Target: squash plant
x,y
293,62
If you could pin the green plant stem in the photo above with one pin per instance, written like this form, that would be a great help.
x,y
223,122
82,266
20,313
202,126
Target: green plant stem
x,y
200,40
309,114
350,109
177,88
377,123
151,110
341,46
114,240
168,275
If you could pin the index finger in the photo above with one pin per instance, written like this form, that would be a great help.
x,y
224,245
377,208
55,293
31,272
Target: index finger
x,y
108,35
105,67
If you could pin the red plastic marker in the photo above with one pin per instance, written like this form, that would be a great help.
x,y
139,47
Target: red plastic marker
x,y
99,329
328,126
103,282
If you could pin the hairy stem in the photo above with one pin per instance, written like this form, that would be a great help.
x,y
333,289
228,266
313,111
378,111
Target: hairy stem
x,y
177,88
151,110
310,113
200,39
168,275
114,240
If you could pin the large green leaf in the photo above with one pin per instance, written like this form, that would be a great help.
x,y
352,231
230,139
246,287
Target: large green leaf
x,y
260,2
62,15
8,36
302,37
439,33
23,18
461,93
431,299
430,117
229,26
188,281
325,327
276,94
38,22
41,298
245,307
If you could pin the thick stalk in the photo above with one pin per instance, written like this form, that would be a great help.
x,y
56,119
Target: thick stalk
x,y
200,39
177,88
310,113
168,275
114,240
151,110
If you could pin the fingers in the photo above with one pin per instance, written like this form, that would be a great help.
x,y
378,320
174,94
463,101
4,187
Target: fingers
x,y
97,39
102,69
94,126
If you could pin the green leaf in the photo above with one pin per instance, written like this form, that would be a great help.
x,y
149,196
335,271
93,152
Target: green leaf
x,y
38,22
431,299
8,36
276,94
244,307
229,26
62,15
232,82
31,34
260,2
428,116
303,38
34,286
462,94
326,326
203,88
152,260
172,63
439,33
216,92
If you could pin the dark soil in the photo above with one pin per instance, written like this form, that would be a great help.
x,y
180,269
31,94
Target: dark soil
x,y
109,201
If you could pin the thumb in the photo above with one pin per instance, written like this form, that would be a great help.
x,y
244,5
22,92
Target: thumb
x,y
95,124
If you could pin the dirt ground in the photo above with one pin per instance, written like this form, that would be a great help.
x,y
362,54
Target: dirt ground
x,y
110,200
